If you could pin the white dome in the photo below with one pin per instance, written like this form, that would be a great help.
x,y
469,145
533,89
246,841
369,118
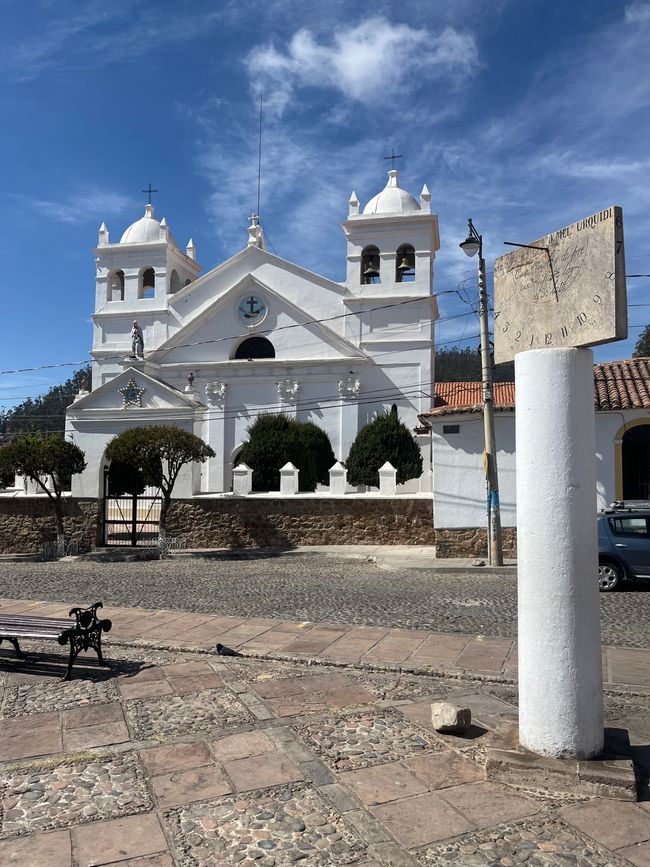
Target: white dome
x,y
147,230
392,199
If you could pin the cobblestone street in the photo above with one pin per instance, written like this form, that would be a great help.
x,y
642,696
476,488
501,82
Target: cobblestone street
x,y
311,587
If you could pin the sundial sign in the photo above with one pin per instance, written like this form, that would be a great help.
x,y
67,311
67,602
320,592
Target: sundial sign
x,y
566,289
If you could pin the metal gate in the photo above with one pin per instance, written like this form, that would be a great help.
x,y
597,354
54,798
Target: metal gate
x,y
131,519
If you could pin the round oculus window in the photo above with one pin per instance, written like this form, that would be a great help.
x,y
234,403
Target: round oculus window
x,y
252,310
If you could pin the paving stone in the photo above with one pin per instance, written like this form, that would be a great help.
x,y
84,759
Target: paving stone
x,y
382,783
290,825
100,735
258,772
441,770
35,742
38,850
183,684
639,855
145,689
613,823
242,746
421,819
59,797
91,715
296,705
195,784
107,842
486,804
177,715
359,740
175,757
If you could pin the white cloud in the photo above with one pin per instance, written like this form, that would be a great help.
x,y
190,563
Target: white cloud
x,y
91,203
637,13
370,63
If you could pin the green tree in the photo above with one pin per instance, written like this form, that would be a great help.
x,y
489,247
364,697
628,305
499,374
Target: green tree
x,y
464,365
642,348
276,439
158,452
385,438
43,457
45,413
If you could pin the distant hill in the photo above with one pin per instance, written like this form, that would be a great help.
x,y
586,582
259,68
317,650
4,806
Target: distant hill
x,y
464,365
46,412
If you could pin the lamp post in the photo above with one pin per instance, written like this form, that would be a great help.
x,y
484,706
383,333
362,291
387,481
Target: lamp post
x,y
472,245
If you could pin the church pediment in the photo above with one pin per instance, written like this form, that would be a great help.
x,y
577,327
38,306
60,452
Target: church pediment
x,y
133,390
253,306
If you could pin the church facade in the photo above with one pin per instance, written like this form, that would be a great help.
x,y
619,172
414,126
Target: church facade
x,y
210,351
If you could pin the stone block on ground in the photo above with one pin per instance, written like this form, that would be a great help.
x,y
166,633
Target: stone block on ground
x,y
447,717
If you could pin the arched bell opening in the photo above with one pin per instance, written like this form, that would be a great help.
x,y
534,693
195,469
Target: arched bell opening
x,y
116,286
636,463
370,264
147,283
253,348
174,282
405,264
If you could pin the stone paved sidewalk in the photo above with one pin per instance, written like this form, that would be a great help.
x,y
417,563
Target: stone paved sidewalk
x,y
315,748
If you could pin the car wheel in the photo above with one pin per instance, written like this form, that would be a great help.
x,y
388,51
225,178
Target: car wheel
x,y
610,576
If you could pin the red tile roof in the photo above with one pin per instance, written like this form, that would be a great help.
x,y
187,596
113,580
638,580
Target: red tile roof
x,y
618,385
623,384
453,397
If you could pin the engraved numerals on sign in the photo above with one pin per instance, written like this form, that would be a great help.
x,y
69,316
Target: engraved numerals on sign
x,y
548,338
581,318
564,331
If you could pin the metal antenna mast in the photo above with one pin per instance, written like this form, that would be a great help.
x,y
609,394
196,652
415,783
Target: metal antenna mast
x,y
259,157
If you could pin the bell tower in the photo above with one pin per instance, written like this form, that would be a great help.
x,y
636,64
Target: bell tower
x,y
392,243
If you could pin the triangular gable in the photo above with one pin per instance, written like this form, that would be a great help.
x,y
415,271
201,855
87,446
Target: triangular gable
x,y
148,393
217,340
193,298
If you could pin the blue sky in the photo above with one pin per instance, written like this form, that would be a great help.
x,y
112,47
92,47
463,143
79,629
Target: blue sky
x,y
522,114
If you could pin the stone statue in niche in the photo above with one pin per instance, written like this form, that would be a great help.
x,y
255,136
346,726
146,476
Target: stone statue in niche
x,y
137,341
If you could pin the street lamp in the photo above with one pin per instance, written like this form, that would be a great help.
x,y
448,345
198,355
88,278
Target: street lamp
x,y
472,245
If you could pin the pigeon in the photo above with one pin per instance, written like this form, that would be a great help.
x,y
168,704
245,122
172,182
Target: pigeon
x,y
222,650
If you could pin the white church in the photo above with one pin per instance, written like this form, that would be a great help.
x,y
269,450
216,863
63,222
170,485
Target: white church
x,y
210,351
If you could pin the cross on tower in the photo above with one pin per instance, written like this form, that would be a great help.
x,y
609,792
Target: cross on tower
x,y
393,156
149,191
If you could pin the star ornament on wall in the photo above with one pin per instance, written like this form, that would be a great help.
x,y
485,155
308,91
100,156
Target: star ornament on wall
x,y
131,394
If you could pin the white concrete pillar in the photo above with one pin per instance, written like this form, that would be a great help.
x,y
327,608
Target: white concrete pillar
x,y
338,479
289,479
560,669
387,480
242,480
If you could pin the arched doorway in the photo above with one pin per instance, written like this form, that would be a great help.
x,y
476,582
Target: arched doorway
x,y
131,513
636,463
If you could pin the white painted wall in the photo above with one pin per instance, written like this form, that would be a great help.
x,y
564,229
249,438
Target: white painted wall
x,y
459,498
458,479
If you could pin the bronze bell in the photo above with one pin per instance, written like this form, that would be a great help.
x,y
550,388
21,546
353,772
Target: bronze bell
x,y
371,271
404,265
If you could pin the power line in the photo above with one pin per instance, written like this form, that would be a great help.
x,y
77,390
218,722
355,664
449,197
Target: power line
x,y
239,336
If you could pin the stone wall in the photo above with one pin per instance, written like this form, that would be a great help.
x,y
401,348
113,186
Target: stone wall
x,y
215,523
27,523
472,542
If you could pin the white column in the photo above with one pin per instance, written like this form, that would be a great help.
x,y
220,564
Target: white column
x,y
387,480
289,479
338,479
242,480
560,669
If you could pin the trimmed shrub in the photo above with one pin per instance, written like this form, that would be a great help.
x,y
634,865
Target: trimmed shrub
x,y
385,438
275,440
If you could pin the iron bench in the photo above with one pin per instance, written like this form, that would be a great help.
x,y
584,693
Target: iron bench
x,y
84,633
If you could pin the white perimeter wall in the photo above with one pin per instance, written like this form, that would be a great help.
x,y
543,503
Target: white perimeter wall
x,y
459,481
